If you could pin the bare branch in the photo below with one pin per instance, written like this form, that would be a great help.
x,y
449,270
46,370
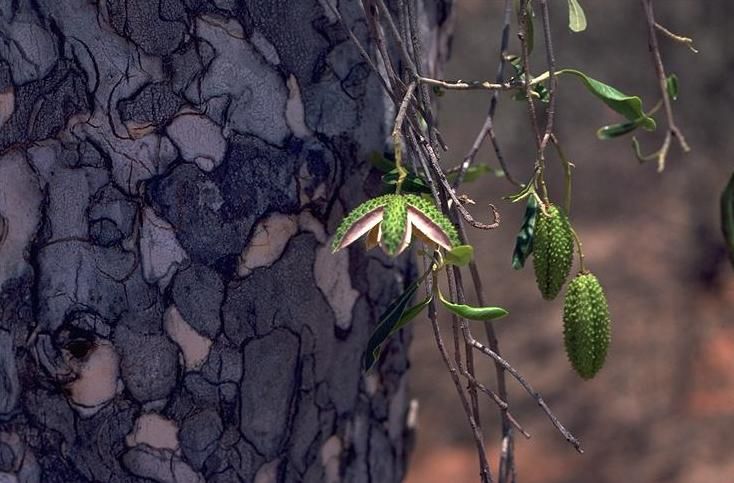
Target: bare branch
x,y
673,130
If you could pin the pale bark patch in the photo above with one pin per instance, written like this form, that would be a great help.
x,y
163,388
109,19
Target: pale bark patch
x,y
19,207
257,91
294,113
330,453
194,346
198,140
160,251
268,473
267,244
7,104
331,271
155,431
96,383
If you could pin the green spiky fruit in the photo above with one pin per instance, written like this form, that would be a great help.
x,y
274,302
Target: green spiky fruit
x,y
586,325
552,251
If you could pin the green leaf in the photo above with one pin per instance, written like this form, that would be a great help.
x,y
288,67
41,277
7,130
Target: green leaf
x,y
411,314
576,16
628,106
727,217
616,130
460,255
474,172
526,191
381,162
528,14
473,313
389,319
524,240
671,83
411,183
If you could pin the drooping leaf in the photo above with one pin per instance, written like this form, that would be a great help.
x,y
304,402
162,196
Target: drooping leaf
x,y
389,319
727,217
460,255
474,172
474,313
411,183
628,106
381,162
616,130
524,240
576,16
671,83
411,314
528,15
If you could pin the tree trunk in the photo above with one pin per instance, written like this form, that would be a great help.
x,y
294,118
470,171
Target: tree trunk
x,y
170,174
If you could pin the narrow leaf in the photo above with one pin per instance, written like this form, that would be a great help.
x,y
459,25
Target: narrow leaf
x,y
576,16
381,162
460,255
474,313
474,172
616,130
727,217
411,314
628,106
389,319
528,14
524,240
411,183
671,83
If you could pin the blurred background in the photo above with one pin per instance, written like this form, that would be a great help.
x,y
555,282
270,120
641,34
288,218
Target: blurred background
x,y
662,408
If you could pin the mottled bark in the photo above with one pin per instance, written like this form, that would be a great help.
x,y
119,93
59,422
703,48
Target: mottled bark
x,y
170,173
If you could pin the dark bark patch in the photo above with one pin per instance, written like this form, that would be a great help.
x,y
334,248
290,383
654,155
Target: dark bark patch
x,y
198,293
42,107
157,27
270,373
154,104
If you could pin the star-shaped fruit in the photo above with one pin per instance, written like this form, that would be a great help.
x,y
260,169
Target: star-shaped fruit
x,y
389,221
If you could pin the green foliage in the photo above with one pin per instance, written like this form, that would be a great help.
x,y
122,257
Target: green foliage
x,y
576,16
474,313
459,256
671,84
628,106
386,326
524,240
411,183
586,325
616,130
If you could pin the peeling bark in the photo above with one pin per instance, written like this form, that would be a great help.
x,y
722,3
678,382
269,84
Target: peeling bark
x,y
170,174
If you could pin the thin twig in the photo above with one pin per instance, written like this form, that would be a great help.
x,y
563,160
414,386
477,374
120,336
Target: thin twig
x,y
478,438
553,81
673,130
687,41
397,145
462,85
488,126
529,389
498,400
